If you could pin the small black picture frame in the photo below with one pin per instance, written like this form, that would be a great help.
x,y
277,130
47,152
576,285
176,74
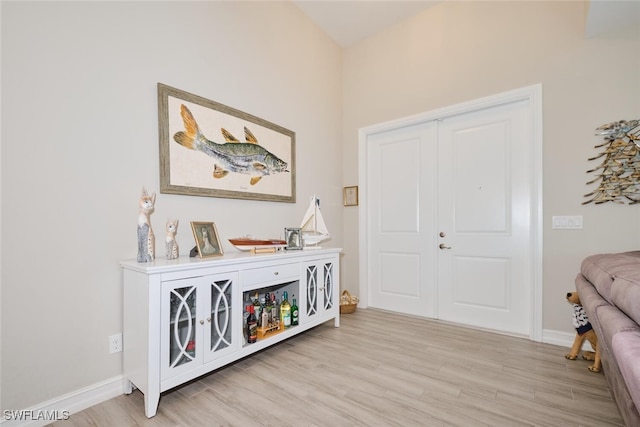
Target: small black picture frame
x,y
293,237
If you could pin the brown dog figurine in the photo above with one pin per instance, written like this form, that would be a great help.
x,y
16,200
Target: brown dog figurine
x,y
584,330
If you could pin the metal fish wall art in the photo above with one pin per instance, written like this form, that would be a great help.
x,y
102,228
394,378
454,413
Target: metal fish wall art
x,y
618,173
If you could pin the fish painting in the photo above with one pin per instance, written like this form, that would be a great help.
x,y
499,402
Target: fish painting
x,y
248,157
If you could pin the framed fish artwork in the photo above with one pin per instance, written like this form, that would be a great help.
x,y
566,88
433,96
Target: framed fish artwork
x,y
210,149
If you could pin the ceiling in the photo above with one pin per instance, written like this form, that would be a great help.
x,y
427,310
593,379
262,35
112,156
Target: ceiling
x,y
606,15
349,21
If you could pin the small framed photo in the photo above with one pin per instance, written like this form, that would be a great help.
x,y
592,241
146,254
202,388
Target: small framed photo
x,y
293,237
207,239
350,196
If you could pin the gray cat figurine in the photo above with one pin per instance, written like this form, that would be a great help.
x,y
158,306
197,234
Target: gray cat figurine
x,y
172,246
146,239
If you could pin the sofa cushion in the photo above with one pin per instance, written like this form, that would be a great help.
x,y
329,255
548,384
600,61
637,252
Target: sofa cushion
x,y
625,294
589,296
626,347
601,269
611,321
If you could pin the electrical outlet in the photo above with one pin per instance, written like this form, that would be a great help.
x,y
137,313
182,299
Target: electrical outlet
x,y
115,343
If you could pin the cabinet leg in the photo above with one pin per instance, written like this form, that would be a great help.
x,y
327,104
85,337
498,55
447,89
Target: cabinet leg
x,y
128,386
336,322
151,401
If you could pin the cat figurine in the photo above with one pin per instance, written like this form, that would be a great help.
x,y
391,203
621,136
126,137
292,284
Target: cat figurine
x,y
146,239
172,246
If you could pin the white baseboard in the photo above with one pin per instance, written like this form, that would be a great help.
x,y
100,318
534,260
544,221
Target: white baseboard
x,y
61,407
563,339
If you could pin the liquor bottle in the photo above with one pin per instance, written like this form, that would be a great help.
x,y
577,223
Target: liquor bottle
x,y
252,326
264,319
285,311
245,316
295,316
267,310
256,307
275,316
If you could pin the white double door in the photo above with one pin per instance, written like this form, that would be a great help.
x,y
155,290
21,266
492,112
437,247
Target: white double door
x,y
448,218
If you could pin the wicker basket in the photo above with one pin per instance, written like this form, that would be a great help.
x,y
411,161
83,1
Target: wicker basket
x,y
348,303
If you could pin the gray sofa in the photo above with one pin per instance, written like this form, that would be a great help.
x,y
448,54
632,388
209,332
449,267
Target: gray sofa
x,y
609,290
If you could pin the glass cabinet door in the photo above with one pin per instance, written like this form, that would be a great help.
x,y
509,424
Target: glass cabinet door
x,y
179,339
311,278
221,336
319,289
198,322
328,283
182,347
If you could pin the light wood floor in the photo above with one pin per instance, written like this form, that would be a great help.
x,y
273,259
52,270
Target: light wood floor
x,y
382,369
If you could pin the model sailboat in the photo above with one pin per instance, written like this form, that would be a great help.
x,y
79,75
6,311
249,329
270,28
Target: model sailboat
x,y
314,230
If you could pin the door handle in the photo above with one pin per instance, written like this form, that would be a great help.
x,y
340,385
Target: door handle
x,y
443,246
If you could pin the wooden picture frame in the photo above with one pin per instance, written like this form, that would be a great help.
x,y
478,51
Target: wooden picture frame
x,y
207,239
210,149
350,195
293,237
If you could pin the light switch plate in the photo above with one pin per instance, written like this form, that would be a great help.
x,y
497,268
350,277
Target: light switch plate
x,y
567,222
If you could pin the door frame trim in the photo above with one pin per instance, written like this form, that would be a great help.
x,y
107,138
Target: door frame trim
x,y
533,96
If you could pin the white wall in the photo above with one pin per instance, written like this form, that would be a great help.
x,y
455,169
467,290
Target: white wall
x,y
460,51
80,139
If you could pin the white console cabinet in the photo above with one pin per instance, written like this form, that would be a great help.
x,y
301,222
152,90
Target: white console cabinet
x,y
183,318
